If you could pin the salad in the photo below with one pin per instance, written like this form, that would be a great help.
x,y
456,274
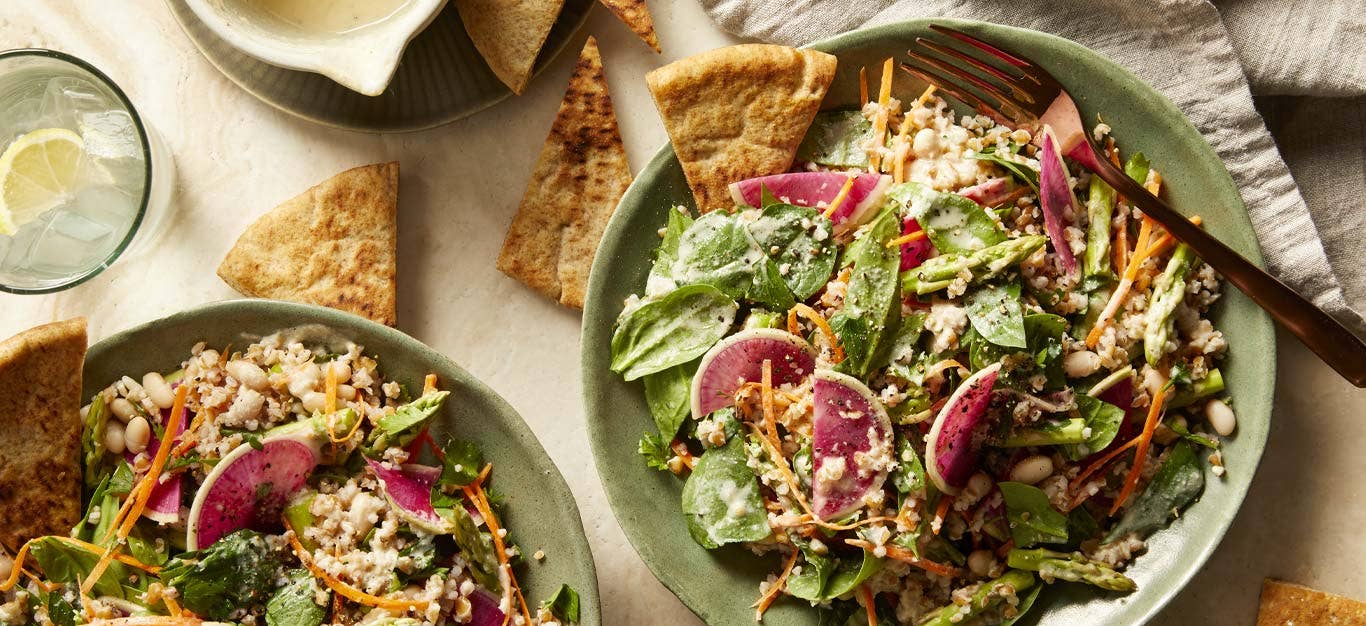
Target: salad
x,y
931,368
276,484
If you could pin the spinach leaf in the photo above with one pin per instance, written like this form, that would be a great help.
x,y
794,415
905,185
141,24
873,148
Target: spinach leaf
x,y
954,224
1175,485
1043,336
667,253
909,475
462,461
995,312
717,250
867,325
1032,517
405,424
1026,603
294,604
237,571
1104,420
789,235
59,611
656,451
564,605
474,544
144,547
769,289
809,584
671,331
722,500
1081,526
847,576
836,139
1024,173
668,393
62,563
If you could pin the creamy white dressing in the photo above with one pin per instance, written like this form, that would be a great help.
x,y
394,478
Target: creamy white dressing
x,y
329,16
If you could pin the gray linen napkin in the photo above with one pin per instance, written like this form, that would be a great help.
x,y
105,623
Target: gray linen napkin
x,y
1202,61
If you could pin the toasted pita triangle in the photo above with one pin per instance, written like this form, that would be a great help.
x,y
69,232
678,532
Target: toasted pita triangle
x,y
738,112
509,34
637,16
40,431
333,245
578,180
1285,604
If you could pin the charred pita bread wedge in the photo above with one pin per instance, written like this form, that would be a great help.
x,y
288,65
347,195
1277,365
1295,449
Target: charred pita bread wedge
x,y
738,112
333,245
40,431
1286,604
637,16
509,34
579,178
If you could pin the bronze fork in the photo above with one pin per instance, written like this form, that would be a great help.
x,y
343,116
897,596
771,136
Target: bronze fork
x,y
1019,93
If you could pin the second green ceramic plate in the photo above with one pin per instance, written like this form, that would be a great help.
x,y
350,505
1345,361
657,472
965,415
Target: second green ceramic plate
x,y
721,585
540,508
441,79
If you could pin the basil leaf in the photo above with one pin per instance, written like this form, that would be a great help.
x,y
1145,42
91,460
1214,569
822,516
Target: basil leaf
x,y
867,325
954,224
294,604
668,393
995,312
237,571
835,139
798,239
1175,485
722,500
1032,517
1104,420
671,331
564,605
809,584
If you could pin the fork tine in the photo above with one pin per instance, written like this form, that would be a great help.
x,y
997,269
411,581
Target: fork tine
x,y
1000,74
962,95
953,70
984,46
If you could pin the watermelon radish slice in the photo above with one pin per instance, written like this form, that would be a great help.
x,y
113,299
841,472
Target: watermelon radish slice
x,y
951,454
163,506
987,193
913,253
818,190
248,488
484,609
409,490
1056,199
739,359
848,425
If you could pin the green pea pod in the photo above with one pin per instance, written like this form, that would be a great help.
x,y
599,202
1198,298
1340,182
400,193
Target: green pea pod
x,y
1168,291
940,272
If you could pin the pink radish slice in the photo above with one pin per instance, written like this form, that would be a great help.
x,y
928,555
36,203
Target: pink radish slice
x,y
409,490
951,455
1056,200
163,506
739,359
850,430
987,193
818,190
484,609
913,253
248,488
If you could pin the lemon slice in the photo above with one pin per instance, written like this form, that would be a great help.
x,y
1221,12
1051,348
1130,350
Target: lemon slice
x,y
38,172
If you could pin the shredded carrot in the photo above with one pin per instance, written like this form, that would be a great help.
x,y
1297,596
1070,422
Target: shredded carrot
x,y
1141,455
815,318
475,492
907,238
766,395
940,512
94,549
1122,290
862,85
775,589
158,463
810,520
839,197
1099,464
880,118
906,556
189,439
344,589
17,567
884,94
869,604
172,606
428,384
780,462
1167,241
330,402
1154,182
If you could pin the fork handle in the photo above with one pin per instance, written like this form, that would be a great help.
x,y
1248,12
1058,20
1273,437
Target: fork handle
x,y
1328,338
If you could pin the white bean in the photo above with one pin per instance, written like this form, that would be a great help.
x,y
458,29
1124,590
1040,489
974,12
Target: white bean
x,y
1081,364
314,401
249,374
1032,470
158,390
304,380
1221,417
346,392
137,435
114,438
978,486
342,370
123,409
981,561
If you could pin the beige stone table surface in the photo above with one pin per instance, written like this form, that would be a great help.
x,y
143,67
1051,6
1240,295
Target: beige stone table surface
x,y
237,157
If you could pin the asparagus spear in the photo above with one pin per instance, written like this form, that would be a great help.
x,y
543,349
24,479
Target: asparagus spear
x,y
987,596
1068,432
1073,567
1211,384
1168,292
1100,207
990,262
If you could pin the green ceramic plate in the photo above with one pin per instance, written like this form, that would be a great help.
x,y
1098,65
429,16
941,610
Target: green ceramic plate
x,y
720,585
540,508
441,78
